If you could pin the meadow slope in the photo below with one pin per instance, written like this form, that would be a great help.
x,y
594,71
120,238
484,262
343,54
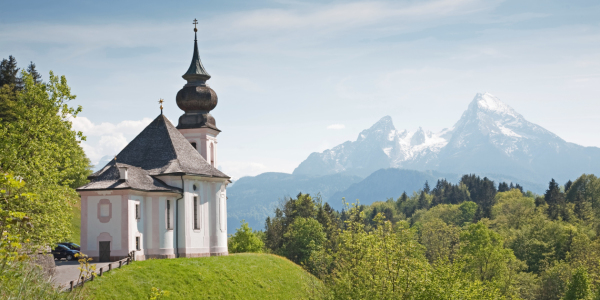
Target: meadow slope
x,y
239,276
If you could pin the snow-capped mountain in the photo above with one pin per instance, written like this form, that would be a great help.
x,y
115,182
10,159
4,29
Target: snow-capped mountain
x,y
490,137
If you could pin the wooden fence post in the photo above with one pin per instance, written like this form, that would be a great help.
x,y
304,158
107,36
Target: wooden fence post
x,y
120,263
71,285
110,266
101,271
82,281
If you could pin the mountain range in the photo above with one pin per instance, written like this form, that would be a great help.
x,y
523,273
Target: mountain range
x,y
490,139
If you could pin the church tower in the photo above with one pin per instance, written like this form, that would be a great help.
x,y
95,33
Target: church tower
x,y
197,99
162,195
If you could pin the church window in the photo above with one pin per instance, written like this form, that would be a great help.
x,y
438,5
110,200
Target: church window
x,y
169,215
137,212
196,223
137,243
105,210
194,145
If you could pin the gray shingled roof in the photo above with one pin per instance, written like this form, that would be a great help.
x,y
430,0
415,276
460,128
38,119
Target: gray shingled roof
x,y
160,149
137,179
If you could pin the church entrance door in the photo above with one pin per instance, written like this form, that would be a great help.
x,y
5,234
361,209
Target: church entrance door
x,y
104,251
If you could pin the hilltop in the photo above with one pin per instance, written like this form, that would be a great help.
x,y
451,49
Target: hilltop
x,y
238,276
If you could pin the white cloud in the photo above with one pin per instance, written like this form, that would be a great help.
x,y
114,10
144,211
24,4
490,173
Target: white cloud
x,y
124,127
348,15
336,126
107,138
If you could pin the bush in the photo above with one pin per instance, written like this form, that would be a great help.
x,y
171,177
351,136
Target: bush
x,y
244,240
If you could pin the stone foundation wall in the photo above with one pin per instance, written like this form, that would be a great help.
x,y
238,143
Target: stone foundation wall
x,y
46,261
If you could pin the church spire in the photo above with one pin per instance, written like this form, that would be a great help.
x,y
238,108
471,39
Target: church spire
x,y
196,98
196,71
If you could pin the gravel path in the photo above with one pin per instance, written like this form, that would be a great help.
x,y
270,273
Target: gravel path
x,y
69,270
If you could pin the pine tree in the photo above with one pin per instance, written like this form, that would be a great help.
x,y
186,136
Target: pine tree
x,y
519,187
426,188
422,203
555,200
568,185
483,193
403,198
37,77
9,73
503,187
438,193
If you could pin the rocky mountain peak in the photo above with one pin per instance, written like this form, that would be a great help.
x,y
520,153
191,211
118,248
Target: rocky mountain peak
x,y
489,137
420,136
380,130
490,104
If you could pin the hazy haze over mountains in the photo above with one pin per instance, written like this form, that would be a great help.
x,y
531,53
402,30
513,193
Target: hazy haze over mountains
x,y
490,137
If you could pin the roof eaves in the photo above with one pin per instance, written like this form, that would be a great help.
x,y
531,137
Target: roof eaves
x,y
188,173
174,191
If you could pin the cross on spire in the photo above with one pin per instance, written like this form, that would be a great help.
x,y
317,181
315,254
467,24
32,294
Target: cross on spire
x,y
195,23
161,107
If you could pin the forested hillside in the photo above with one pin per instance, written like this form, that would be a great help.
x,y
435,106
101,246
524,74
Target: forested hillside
x,y
471,240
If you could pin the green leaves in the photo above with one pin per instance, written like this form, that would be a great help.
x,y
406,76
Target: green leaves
x,y
244,240
15,226
579,286
486,259
38,145
302,238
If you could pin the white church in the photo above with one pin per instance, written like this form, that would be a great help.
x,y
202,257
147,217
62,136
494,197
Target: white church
x,y
162,195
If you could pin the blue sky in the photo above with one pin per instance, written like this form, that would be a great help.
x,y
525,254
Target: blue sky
x,y
297,77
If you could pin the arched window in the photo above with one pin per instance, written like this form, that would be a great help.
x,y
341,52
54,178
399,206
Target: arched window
x,y
194,145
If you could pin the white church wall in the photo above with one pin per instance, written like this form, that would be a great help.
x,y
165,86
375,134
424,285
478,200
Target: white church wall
x,y
196,243
135,225
204,138
148,225
167,238
218,213
95,227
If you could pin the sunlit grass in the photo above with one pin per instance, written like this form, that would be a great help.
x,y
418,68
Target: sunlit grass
x,y
240,276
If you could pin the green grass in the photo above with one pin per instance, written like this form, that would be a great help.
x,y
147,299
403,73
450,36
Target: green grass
x,y
239,276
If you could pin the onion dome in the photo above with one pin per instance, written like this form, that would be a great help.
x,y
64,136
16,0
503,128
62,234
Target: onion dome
x,y
196,98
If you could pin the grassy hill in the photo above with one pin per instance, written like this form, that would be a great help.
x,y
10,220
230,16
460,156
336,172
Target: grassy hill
x,y
239,276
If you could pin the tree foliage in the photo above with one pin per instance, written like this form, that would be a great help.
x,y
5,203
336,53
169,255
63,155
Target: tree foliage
x,y
304,237
245,240
579,286
38,145
467,240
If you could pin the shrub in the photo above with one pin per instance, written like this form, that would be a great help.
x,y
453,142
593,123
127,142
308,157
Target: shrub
x,y
244,240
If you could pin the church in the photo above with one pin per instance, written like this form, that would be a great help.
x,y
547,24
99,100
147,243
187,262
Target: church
x,y
162,195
